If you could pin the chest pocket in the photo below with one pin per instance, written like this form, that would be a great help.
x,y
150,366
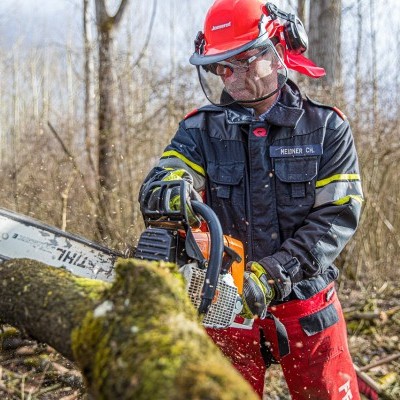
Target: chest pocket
x,y
295,183
226,182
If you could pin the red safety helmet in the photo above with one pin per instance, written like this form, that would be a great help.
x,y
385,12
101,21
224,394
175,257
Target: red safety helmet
x,y
234,26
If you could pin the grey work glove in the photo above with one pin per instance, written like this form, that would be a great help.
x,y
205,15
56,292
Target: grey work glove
x,y
175,199
258,291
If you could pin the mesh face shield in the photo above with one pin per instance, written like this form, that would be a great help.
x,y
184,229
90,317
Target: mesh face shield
x,y
248,77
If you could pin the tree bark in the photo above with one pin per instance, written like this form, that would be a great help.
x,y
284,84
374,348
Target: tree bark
x,y
325,45
302,13
89,86
374,63
358,91
45,302
137,338
106,26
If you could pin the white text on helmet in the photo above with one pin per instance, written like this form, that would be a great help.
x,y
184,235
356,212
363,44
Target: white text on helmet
x,y
222,26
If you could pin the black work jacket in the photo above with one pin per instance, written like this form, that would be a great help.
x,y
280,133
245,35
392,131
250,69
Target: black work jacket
x,y
287,187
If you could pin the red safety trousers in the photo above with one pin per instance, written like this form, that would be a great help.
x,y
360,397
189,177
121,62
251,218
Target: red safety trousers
x,y
318,367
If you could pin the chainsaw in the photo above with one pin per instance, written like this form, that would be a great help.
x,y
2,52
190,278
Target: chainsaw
x,y
211,263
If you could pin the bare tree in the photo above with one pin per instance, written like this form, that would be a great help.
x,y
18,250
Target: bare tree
x,y
302,11
106,26
357,103
324,36
89,87
374,73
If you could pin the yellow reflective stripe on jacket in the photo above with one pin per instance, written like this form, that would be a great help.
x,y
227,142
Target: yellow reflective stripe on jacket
x,y
346,199
338,192
191,164
338,177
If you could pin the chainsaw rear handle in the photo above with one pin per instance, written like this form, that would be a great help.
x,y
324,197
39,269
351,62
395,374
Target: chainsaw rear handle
x,y
216,254
155,203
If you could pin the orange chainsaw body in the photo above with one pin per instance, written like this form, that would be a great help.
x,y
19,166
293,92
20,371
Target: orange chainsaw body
x,y
237,268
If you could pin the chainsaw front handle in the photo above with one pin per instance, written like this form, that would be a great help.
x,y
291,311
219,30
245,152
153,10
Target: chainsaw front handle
x,y
216,254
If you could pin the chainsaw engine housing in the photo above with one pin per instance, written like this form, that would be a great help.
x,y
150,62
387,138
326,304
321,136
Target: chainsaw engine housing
x,y
226,303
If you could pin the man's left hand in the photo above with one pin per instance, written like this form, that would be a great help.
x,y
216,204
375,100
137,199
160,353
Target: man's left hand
x,y
258,291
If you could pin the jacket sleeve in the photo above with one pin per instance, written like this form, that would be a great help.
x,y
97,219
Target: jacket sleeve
x,y
333,219
184,152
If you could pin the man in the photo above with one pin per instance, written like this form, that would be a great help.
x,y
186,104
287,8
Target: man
x,y
281,173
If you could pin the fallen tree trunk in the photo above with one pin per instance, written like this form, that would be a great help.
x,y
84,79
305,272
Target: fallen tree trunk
x,y
135,339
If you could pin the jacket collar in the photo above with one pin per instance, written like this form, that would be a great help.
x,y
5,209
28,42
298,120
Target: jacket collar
x,y
286,112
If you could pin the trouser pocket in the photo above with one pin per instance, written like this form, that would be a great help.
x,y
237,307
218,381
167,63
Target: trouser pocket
x,y
320,347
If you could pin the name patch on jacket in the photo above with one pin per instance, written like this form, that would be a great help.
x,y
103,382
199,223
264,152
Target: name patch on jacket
x,y
296,151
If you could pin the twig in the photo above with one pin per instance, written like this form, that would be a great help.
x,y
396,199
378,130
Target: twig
x,y
370,382
384,360
148,36
72,396
74,163
392,311
369,316
365,316
41,380
64,197
48,389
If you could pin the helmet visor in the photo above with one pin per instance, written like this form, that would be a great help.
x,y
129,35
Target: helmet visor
x,y
248,77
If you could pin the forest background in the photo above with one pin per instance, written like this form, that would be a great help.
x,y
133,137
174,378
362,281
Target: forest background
x,y
90,96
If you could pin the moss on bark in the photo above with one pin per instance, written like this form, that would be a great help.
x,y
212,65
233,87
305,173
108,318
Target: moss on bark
x,y
138,338
46,302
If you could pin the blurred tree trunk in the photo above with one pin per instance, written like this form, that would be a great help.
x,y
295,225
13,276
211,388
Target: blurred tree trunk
x,y
304,16
358,94
89,87
374,72
106,26
14,133
325,46
136,338
302,11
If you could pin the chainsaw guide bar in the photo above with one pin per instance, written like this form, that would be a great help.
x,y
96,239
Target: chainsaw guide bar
x,y
25,237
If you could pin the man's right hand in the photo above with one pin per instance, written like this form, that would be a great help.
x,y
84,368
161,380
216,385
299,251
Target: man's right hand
x,y
175,198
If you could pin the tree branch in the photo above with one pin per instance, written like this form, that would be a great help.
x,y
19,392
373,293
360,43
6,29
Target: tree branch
x,y
104,19
382,361
101,13
117,17
73,160
137,338
148,36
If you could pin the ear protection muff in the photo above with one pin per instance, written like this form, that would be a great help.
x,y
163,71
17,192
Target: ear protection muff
x,y
294,33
